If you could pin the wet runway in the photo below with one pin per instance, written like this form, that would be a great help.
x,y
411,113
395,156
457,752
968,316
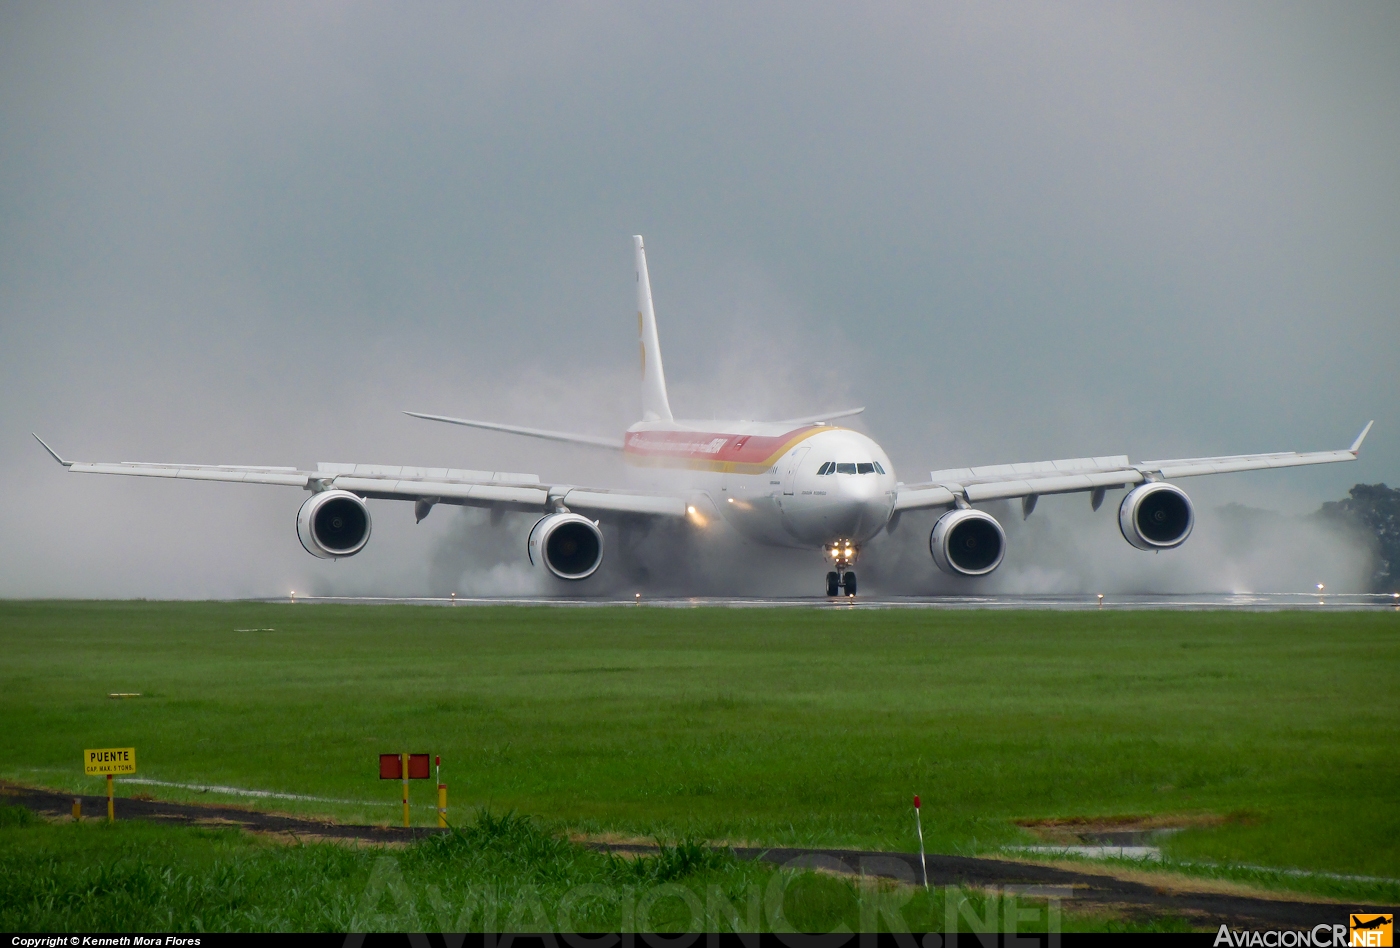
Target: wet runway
x,y
1239,602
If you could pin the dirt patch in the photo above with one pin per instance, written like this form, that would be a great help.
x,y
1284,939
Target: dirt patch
x,y
621,840
625,844
351,842
1121,830
1173,883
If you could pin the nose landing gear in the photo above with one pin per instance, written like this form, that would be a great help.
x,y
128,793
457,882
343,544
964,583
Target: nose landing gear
x,y
841,580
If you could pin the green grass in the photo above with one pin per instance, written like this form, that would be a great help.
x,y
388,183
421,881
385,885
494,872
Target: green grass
x,y
771,726
497,873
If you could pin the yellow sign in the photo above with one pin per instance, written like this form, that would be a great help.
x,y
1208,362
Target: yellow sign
x,y
1373,931
110,760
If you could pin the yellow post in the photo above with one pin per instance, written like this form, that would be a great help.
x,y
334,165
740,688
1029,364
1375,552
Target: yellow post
x,y
77,808
109,761
442,805
404,759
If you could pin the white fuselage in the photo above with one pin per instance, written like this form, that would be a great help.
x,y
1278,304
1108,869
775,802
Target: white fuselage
x,y
767,479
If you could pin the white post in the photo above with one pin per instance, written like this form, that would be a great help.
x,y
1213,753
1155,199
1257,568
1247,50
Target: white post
x,y
920,825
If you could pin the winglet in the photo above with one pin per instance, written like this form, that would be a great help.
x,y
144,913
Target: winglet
x,y
1356,445
52,451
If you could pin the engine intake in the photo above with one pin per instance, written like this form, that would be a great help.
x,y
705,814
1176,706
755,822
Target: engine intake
x,y
1156,516
569,545
332,524
967,543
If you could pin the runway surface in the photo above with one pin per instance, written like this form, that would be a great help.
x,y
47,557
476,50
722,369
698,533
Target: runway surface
x,y
1240,602
1083,890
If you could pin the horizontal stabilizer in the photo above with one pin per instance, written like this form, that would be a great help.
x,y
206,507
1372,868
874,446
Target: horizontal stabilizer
x,y
592,441
826,416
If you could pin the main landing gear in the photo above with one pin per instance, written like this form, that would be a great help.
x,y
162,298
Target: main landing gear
x,y
841,580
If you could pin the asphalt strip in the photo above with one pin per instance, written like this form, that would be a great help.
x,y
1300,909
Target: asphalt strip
x,y
1086,892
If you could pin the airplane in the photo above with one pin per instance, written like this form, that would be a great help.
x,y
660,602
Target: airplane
x,y
799,483
1376,921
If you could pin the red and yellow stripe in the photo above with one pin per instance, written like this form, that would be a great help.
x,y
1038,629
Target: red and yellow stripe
x,y
723,452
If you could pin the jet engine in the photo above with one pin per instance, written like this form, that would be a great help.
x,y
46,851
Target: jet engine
x,y
1156,516
569,545
967,543
332,524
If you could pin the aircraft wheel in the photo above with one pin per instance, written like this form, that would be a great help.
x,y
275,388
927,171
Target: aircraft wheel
x,y
833,584
850,584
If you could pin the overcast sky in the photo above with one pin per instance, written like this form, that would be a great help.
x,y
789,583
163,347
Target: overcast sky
x,y
252,233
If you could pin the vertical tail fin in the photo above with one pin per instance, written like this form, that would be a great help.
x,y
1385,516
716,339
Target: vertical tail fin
x,y
655,405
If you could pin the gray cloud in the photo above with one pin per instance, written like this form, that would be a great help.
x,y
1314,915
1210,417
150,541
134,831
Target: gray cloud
x,y
253,233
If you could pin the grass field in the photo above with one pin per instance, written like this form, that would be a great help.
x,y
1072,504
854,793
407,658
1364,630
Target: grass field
x,y
769,726
498,873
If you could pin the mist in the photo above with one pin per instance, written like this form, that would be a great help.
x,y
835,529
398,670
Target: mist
x,y
255,233
1233,549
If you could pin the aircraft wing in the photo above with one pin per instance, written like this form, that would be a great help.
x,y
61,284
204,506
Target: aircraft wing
x,y
1005,481
428,484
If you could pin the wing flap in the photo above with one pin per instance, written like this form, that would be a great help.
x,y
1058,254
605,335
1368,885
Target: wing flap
x,y
625,502
922,495
389,488
398,472
388,482
1006,481
285,477
1056,484
1196,466
996,472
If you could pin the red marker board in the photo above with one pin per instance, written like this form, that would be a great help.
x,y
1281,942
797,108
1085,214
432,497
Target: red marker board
x,y
391,767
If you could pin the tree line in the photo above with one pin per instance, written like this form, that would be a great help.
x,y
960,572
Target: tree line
x,y
1375,509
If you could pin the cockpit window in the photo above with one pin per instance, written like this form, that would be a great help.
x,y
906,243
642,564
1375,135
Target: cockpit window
x,y
860,467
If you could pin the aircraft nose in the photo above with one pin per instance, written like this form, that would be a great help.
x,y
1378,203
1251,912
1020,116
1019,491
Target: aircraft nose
x,y
859,488
863,507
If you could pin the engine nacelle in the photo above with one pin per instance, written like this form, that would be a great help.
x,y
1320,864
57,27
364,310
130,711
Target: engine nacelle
x,y
967,543
567,544
1156,516
332,524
